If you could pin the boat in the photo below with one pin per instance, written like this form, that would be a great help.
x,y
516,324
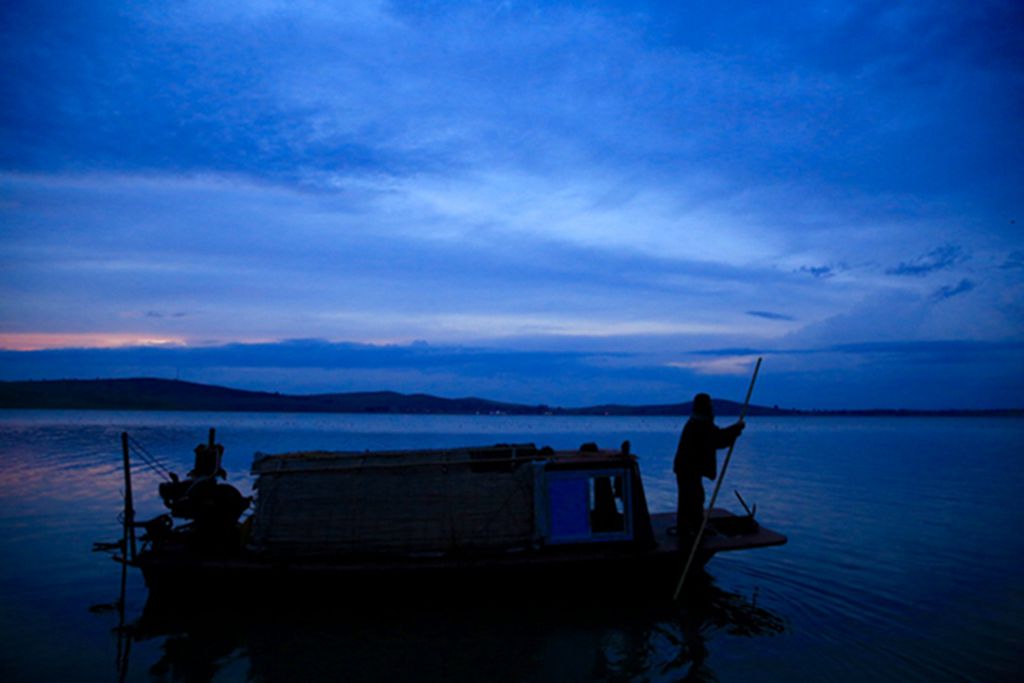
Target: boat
x,y
504,519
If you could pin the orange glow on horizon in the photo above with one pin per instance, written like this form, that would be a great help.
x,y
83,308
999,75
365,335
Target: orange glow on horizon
x,y
36,341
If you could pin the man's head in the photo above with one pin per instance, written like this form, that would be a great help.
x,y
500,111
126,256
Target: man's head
x,y
702,405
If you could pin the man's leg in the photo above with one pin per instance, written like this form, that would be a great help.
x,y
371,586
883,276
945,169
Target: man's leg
x,y
689,512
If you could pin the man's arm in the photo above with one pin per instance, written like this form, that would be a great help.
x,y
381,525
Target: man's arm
x,y
725,436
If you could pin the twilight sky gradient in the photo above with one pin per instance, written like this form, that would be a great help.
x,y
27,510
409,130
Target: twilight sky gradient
x,y
566,203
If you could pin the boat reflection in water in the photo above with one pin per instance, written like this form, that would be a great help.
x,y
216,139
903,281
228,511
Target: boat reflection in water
x,y
435,639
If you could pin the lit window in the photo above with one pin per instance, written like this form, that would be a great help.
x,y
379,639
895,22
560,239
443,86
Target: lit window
x,y
588,506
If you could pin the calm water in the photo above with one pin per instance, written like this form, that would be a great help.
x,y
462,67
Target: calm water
x,y
905,560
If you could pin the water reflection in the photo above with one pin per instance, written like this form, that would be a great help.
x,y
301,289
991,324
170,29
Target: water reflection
x,y
272,639
875,582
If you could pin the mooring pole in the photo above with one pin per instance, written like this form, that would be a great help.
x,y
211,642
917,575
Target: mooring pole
x,y
129,506
718,485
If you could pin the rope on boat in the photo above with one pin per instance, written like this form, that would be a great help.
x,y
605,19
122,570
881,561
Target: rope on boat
x,y
149,459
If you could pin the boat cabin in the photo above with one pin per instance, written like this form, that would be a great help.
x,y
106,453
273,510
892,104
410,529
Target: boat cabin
x,y
501,498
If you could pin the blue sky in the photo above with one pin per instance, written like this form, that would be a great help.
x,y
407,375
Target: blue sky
x,y
566,203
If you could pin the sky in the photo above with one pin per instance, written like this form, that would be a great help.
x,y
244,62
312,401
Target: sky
x,y
539,202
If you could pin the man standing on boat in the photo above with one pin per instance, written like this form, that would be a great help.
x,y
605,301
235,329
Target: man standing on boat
x,y
695,459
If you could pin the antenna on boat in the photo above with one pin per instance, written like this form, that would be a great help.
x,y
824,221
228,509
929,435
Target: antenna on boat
x,y
718,485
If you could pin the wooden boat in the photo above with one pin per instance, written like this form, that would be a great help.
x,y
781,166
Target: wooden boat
x,y
512,519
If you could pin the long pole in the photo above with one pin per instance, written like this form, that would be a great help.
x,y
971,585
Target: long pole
x,y
718,485
129,506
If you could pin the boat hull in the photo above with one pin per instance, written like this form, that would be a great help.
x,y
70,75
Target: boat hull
x,y
585,571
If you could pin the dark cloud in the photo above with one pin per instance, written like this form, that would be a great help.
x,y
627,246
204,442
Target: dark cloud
x,y
974,374
768,315
940,258
1013,260
286,94
728,351
893,374
313,366
165,314
941,350
946,350
949,291
818,271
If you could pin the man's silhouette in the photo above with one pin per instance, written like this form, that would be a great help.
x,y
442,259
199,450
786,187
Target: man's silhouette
x,y
695,459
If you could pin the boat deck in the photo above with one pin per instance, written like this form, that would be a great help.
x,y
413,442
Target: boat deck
x,y
715,543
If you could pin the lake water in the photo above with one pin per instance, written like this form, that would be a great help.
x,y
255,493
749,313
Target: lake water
x,y
905,559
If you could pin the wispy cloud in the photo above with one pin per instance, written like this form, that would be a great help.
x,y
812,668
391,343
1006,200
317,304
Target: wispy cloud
x,y
1013,260
818,271
769,315
937,259
165,314
73,341
949,291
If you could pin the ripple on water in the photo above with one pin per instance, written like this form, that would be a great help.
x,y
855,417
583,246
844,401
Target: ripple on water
x,y
903,561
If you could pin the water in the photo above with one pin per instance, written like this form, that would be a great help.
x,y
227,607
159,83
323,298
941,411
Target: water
x,y
904,560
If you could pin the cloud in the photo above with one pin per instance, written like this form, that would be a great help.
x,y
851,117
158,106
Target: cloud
x,y
302,93
937,259
933,373
556,177
768,315
248,261
862,375
312,366
943,350
165,314
718,365
37,341
818,271
949,291
1013,261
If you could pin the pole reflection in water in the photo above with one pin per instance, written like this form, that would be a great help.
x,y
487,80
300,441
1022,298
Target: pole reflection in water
x,y
123,631
273,639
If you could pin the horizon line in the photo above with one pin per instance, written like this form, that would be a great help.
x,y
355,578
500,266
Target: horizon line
x,y
782,411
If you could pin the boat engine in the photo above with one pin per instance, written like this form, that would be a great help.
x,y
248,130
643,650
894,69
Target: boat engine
x,y
201,497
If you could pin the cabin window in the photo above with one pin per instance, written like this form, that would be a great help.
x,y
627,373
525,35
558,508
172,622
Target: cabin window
x,y
588,506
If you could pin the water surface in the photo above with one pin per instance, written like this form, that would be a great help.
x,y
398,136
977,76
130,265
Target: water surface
x,y
904,560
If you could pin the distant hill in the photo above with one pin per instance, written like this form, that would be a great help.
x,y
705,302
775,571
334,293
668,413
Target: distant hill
x,y
164,394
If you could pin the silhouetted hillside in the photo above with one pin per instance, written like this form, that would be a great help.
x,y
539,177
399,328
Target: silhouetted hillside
x,y
163,394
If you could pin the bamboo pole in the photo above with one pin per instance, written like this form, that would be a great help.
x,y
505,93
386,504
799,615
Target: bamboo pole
x,y
129,506
718,485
